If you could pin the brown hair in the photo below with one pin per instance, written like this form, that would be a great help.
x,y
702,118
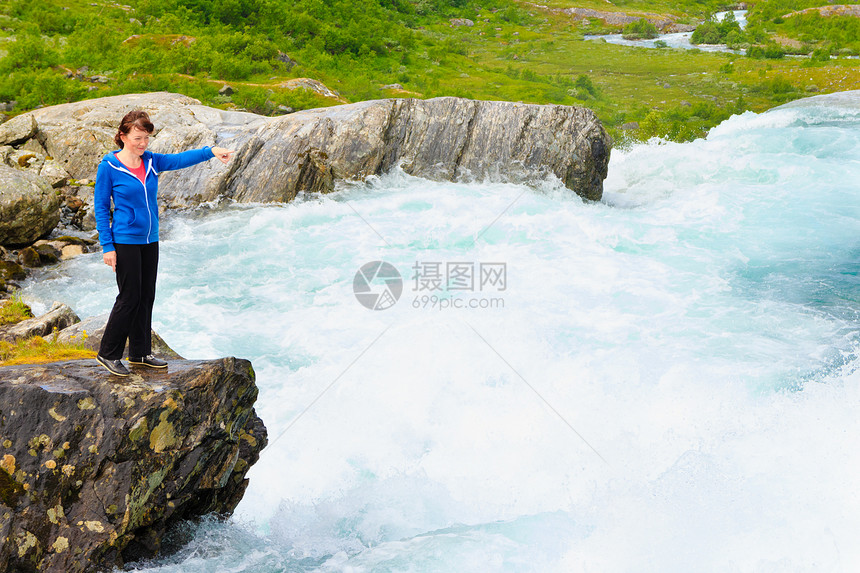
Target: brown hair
x,y
136,118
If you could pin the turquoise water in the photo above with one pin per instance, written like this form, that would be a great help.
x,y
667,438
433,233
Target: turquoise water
x,y
667,382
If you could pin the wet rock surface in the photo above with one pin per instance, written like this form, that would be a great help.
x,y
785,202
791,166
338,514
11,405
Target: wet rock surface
x,y
94,469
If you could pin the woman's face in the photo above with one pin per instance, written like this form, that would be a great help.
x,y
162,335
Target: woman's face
x,y
136,141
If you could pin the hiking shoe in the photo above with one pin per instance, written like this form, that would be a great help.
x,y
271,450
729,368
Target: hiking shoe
x,y
113,366
150,361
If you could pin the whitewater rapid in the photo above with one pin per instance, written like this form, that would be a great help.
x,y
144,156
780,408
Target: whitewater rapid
x,y
677,40
669,382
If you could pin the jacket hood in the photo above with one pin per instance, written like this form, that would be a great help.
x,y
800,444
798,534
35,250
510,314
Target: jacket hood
x,y
111,157
114,161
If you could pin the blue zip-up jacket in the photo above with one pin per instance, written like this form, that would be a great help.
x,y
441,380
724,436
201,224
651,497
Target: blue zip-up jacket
x,y
135,215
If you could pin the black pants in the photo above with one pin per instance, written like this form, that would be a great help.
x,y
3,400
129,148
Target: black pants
x,y
131,317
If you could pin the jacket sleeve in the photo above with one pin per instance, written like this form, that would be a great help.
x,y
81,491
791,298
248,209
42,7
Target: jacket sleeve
x,y
101,199
171,161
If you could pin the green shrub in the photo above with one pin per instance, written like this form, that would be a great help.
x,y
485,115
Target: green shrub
x,y
684,123
769,52
30,51
706,33
820,55
48,17
834,31
514,15
723,32
95,43
640,29
810,27
584,87
529,76
779,89
33,88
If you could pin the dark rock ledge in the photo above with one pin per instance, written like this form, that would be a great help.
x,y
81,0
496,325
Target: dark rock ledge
x,y
95,469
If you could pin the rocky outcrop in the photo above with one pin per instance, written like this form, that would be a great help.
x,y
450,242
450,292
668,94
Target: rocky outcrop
x,y
442,138
663,22
94,470
77,135
834,10
676,28
62,322
17,130
57,318
29,207
312,85
615,18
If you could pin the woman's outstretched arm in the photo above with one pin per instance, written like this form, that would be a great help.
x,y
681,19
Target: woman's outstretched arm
x,y
172,161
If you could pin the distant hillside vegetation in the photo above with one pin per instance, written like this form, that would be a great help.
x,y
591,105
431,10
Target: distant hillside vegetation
x,y
283,55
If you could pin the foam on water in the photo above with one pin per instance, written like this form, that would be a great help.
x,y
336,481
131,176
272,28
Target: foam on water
x,y
676,39
671,384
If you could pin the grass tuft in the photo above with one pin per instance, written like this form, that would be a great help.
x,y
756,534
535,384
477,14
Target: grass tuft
x,y
14,310
38,350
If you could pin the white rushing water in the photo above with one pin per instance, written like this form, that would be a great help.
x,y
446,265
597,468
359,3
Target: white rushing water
x,y
670,385
678,40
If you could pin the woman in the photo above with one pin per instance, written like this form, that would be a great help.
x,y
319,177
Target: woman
x,y
129,176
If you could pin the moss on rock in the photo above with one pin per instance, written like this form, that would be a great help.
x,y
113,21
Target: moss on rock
x,y
110,465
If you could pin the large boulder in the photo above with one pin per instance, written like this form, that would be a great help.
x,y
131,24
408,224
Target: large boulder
x,y
29,207
18,129
11,271
442,138
96,469
77,135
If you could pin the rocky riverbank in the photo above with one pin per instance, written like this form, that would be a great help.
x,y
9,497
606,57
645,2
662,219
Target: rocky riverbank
x,y
665,23
94,470
49,157
443,138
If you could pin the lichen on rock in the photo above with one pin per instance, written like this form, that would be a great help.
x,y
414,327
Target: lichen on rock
x,y
94,470
29,207
445,138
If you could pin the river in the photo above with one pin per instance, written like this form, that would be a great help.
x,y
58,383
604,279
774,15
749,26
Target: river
x,y
666,380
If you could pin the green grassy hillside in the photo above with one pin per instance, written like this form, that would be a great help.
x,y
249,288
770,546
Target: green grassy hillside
x,y
507,50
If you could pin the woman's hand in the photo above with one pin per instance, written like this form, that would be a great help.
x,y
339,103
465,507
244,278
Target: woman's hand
x,y
222,154
110,260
